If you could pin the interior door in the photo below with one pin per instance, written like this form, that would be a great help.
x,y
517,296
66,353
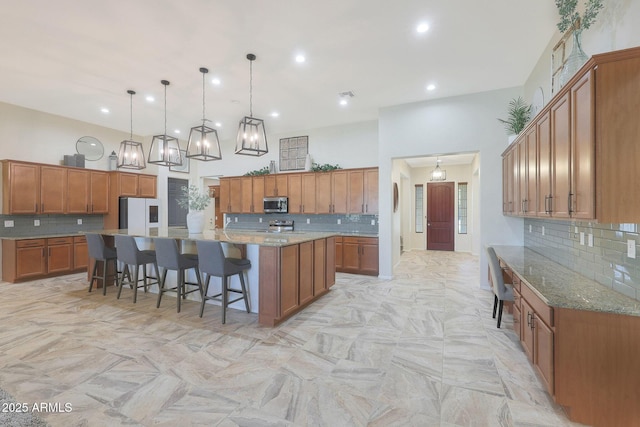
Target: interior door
x,y
440,218
177,215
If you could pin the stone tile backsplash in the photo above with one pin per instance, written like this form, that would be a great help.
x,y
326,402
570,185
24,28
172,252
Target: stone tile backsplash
x,y
23,225
347,223
606,261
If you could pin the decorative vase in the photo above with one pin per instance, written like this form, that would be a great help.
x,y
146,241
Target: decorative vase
x,y
575,60
307,162
512,138
272,167
195,222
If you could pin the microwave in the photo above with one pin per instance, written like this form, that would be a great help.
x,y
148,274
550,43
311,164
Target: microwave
x,y
275,204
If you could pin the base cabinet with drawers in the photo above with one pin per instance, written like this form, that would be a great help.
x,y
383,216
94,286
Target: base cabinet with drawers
x,y
358,255
29,259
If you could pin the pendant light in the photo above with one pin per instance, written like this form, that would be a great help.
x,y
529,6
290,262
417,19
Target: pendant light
x,y
203,141
438,174
131,154
252,138
165,149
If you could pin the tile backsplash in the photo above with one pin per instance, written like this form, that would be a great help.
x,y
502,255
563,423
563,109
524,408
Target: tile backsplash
x,y
606,261
331,223
23,225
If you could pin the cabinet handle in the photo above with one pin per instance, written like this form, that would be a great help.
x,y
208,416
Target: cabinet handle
x,y
366,207
529,319
49,251
569,203
87,209
92,207
362,208
42,251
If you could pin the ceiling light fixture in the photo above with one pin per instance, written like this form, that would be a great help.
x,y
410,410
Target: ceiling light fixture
x,y
216,81
431,87
300,59
252,137
150,98
165,149
275,114
131,154
105,110
438,174
344,97
203,141
422,27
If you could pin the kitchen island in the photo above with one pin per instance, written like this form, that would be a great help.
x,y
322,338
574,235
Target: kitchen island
x,y
288,270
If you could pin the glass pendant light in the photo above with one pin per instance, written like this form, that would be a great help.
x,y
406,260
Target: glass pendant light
x,y
165,149
438,174
252,137
203,141
131,154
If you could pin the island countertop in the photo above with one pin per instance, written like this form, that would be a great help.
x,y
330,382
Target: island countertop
x,y
239,237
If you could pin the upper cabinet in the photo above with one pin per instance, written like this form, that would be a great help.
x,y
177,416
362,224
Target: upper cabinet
x,y
87,191
586,146
126,184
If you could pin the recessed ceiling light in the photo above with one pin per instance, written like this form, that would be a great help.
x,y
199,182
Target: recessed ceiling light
x,y
176,131
218,124
216,81
275,114
431,87
423,27
105,110
300,58
150,98
343,101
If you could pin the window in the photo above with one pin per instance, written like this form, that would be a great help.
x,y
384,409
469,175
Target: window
x,y
462,208
419,208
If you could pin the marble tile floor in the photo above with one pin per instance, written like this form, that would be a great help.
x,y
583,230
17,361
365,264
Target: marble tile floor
x,y
418,350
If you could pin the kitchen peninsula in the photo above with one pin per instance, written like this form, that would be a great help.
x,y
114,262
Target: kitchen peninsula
x,y
288,270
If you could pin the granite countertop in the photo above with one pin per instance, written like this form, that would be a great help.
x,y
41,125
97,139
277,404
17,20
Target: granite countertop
x,y
239,237
46,236
560,287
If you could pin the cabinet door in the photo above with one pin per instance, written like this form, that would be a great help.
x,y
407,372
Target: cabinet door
x,y
350,256
505,185
99,192
509,181
369,257
59,255
295,193
527,338
80,253
246,193
289,279
330,264
517,324
77,191
53,189
30,259
338,257
544,164
258,194
543,352
521,202
531,190
340,192
582,149
24,189
560,157
235,195
355,190
128,184
306,273
147,186
323,193
319,266
275,185
371,191
225,195
308,193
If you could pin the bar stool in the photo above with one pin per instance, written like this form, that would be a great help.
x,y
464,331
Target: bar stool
x,y
213,262
503,291
101,253
170,258
130,255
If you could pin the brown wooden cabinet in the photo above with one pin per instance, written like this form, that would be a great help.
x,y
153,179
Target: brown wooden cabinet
x,y
543,132
306,272
319,269
87,191
340,192
235,194
509,175
60,255
371,191
225,195
126,184
363,191
582,196
357,255
275,185
558,206
338,253
80,253
323,193
53,189
20,188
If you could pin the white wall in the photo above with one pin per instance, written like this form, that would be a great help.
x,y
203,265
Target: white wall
x,y
452,125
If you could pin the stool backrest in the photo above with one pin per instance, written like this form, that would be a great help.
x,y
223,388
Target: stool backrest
x,y
97,248
499,287
127,249
211,257
167,253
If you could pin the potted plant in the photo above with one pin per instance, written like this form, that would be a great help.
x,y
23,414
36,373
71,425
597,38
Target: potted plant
x,y
519,115
195,202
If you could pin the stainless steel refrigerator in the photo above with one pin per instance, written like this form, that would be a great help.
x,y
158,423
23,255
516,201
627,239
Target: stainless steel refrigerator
x,y
136,213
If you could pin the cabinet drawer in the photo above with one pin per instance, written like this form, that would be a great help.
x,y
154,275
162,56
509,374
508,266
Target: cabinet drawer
x,y
357,240
543,311
30,243
60,241
517,299
80,239
515,281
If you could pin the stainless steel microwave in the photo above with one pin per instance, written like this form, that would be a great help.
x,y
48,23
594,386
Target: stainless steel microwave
x,y
276,204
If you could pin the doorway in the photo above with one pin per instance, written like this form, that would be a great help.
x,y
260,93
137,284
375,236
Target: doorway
x,y
177,216
440,216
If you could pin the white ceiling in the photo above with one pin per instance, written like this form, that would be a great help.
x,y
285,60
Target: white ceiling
x,y
445,160
71,58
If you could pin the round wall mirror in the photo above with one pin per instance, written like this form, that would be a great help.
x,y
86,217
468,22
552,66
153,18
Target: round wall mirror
x,y
90,147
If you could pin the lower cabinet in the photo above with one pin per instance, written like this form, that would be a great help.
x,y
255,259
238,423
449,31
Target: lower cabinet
x,y
357,255
29,259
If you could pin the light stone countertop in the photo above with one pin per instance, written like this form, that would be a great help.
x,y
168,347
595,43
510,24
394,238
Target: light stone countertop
x,y
238,237
47,236
561,287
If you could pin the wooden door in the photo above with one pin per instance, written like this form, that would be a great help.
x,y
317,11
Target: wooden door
x,y
24,189
583,148
258,194
246,193
30,258
99,192
340,192
544,164
128,184
350,255
78,191
53,190
543,352
369,257
147,186
295,193
225,196
306,273
319,270
560,157
440,216
323,193
527,331
355,196
308,192
531,203
371,191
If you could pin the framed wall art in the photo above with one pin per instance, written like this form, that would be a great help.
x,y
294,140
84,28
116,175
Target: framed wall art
x,y
293,153
184,168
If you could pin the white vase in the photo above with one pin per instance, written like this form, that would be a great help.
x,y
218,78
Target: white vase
x,y
512,138
195,222
308,162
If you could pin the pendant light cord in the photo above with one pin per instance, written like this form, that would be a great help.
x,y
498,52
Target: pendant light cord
x,y
203,105
165,110
131,114
250,88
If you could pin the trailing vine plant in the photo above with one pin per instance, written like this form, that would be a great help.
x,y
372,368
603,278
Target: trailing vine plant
x,y
569,16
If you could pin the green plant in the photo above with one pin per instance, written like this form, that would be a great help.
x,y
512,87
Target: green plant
x,y
315,167
569,17
263,171
193,199
519,115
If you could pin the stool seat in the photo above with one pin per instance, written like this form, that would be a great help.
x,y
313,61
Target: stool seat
x,y
170,258
100,252
130,255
